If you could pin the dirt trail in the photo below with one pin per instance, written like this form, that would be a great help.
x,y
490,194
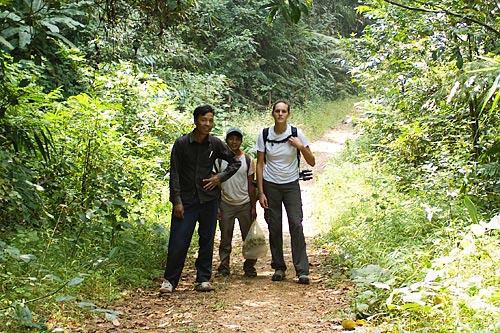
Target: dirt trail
x,y
241,304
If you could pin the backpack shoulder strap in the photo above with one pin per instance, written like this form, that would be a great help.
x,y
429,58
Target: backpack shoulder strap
x,y
265,134
294,134
248,160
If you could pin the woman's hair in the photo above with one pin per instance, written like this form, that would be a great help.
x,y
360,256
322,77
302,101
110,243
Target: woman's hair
x,y
203,110
282,101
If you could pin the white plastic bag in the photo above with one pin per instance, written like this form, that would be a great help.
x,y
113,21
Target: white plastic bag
x,y
254,246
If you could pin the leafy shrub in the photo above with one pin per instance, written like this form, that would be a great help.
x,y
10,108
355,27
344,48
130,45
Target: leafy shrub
x,y
409,255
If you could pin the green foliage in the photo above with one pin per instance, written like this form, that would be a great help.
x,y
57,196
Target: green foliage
x,y
290,10
416,262
332,113
96,191
230,40
188,40
334,18
26,143
264,61
448,292
19,196
409,221
433,80
45,270
44,32
192,90
27,25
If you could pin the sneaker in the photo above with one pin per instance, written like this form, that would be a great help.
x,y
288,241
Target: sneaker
x,y
304,279
251,274
166,287
203,286
279,275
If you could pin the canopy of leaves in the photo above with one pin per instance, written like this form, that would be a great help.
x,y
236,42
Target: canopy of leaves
x,y
434,67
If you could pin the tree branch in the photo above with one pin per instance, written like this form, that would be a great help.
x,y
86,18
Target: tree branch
x,y
444,11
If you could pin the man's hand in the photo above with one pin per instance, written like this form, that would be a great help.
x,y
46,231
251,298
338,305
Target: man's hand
x,y
179,211
211,183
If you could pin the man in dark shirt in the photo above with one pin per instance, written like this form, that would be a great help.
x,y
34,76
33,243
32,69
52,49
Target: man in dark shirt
x,y
194,193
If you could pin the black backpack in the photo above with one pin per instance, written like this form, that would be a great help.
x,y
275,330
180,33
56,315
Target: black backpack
x,y
265,134
303,174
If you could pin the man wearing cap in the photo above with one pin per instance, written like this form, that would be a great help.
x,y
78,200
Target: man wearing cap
x,y
238,199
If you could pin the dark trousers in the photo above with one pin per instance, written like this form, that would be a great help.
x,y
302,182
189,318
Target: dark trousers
x,y
287,195
181,233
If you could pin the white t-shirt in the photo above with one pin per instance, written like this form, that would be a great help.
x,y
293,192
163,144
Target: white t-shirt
x,y
281,165
235,189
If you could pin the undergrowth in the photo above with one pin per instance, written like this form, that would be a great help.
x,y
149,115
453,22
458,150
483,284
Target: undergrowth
x,y
420,262
50,280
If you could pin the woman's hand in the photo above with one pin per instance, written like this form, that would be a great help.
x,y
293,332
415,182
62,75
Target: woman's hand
x,y
295,141
263,201
305,151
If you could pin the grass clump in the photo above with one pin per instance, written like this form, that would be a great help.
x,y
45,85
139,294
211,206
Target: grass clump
x,y
51,280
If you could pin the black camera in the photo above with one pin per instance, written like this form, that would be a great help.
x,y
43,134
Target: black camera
x,y
305,175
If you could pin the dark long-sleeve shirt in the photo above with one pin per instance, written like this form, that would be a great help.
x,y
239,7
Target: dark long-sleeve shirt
x,y
191,162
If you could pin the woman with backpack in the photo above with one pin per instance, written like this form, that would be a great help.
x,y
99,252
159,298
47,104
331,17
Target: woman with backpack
x,y
278,157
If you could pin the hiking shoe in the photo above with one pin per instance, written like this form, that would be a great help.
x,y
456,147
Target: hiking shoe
x,y
203,286
251,274
304,279
166,287
222,273
278,275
